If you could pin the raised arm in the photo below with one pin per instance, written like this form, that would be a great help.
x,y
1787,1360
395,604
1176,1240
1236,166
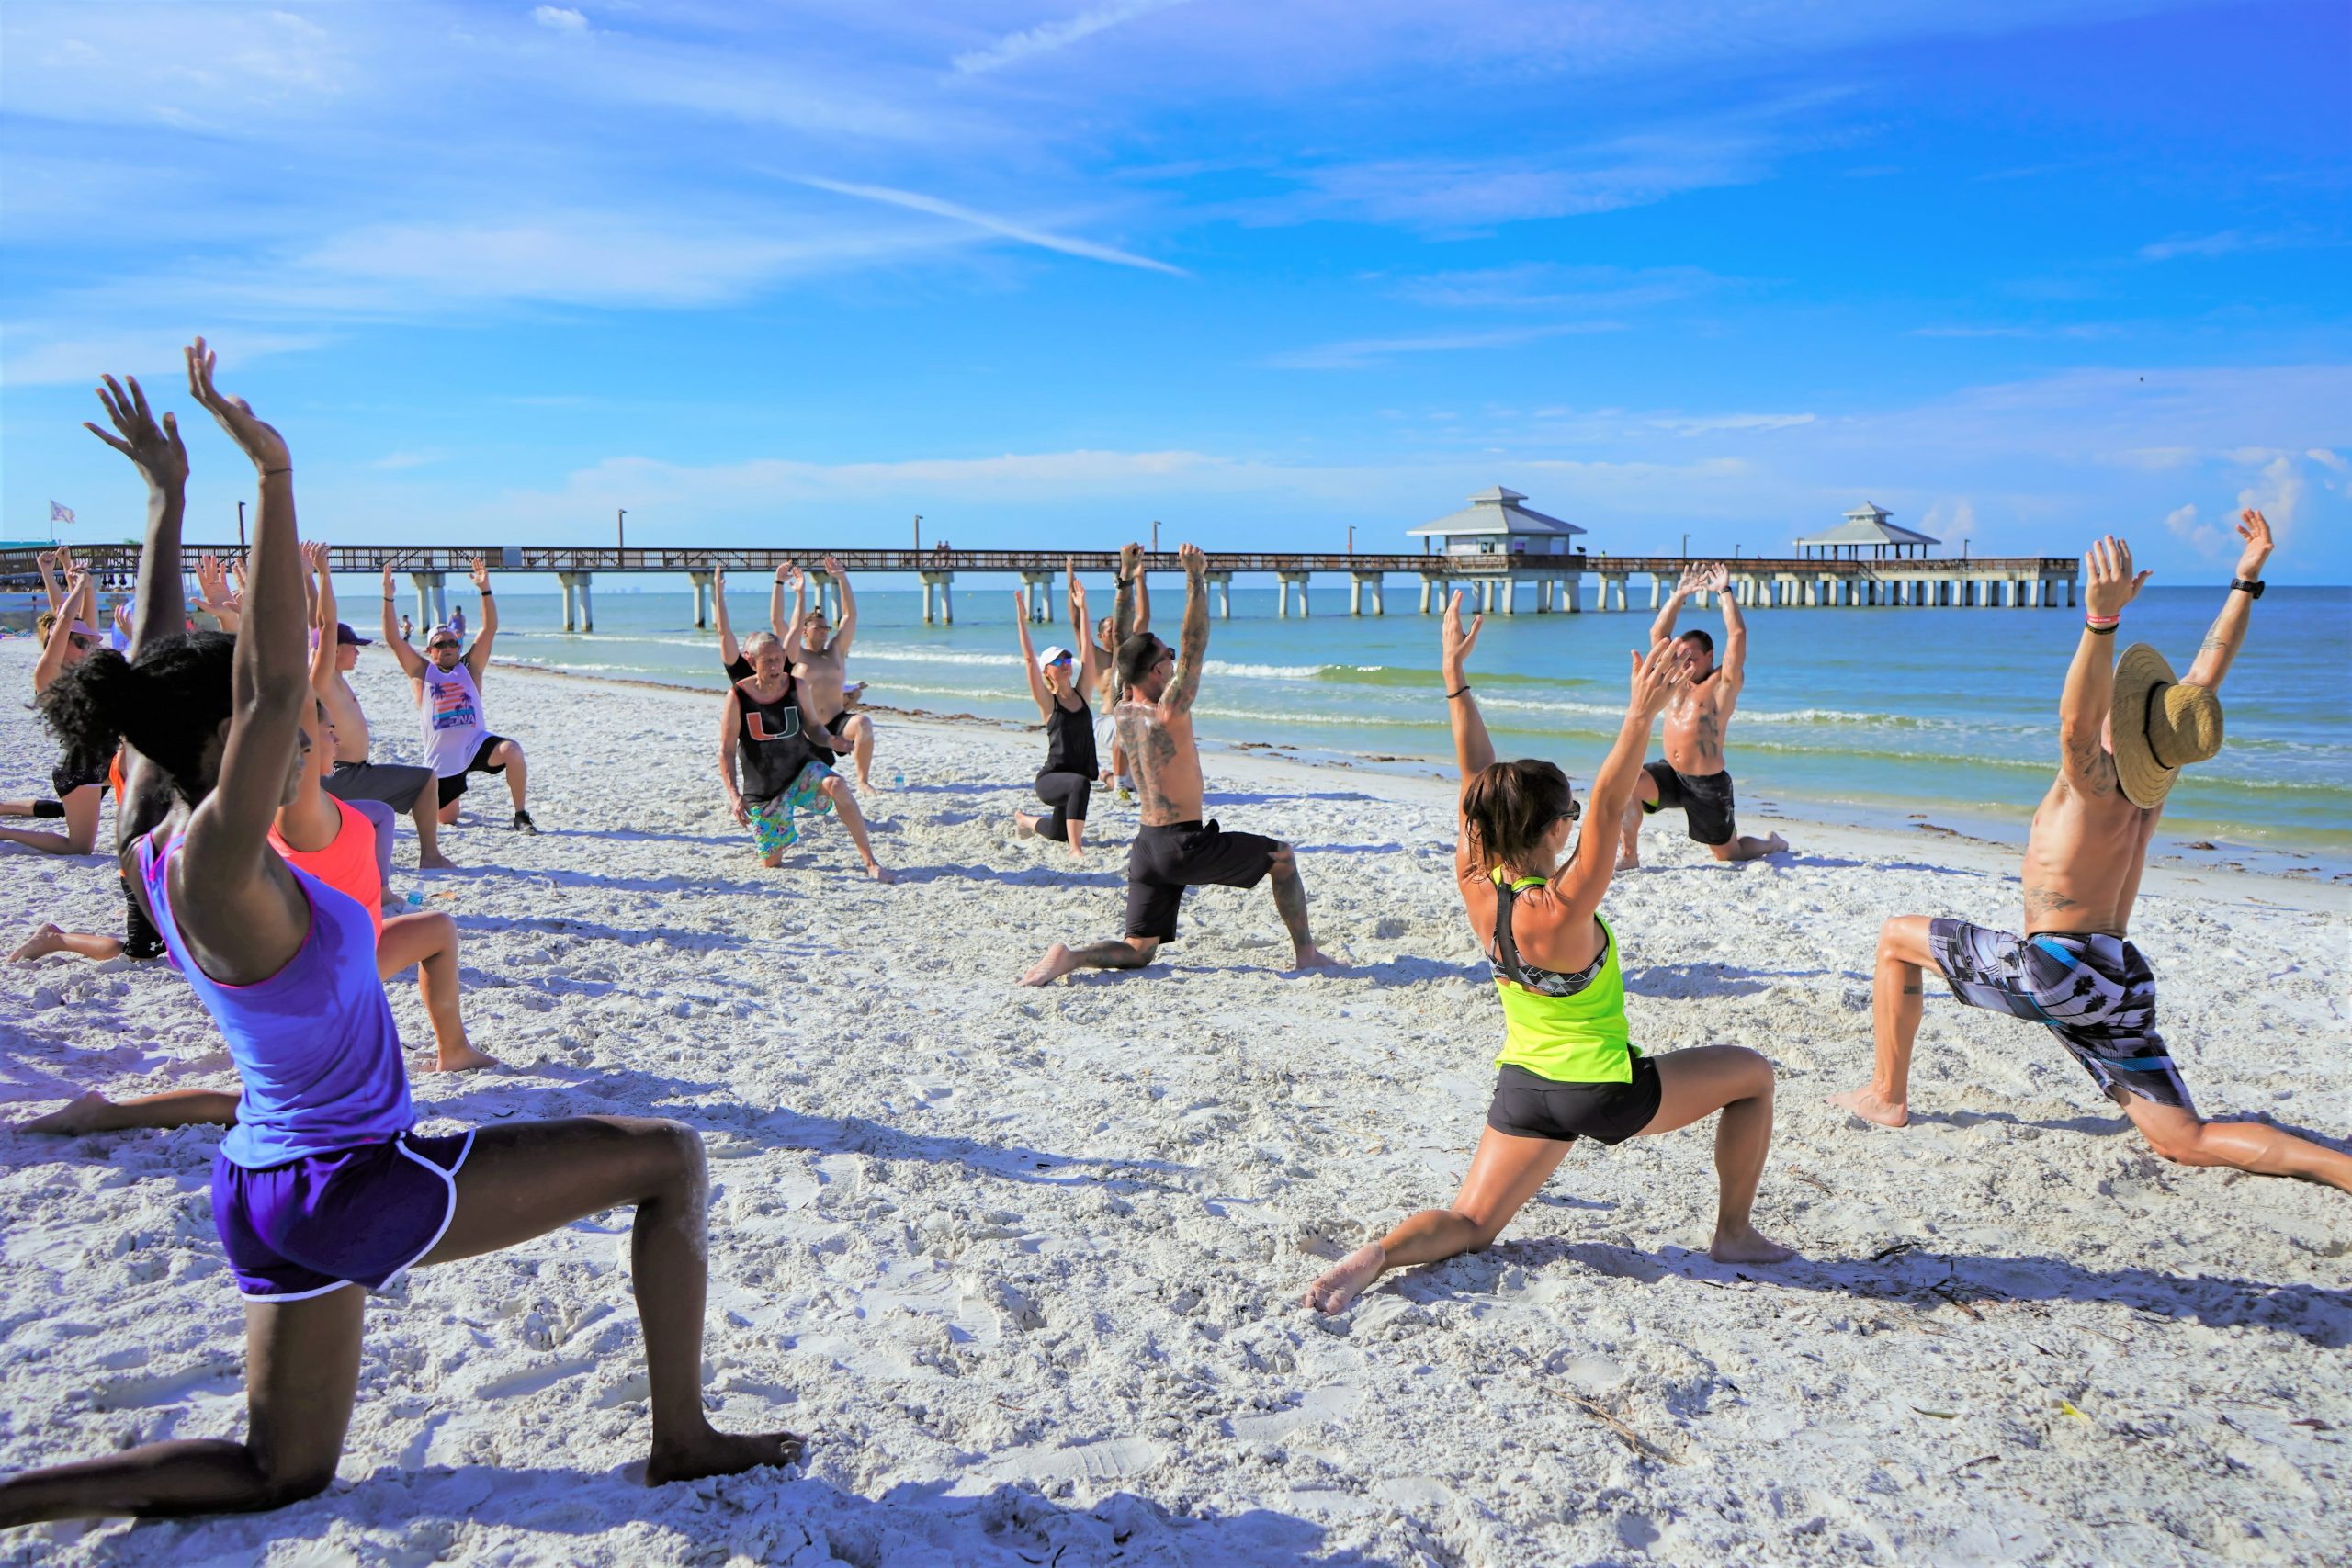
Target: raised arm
x,y
322,652
213,587
789,632
1733,663
1655,680
1044,698
51,662
1662,629
1122,607
730,650
252,916
1192,649
412,662
478,656
1474,751
47,560
1090,657
2222,643
1143,599
2083,706
847,630
155,449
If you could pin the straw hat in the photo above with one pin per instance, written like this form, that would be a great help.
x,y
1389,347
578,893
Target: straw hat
x,y
2159,725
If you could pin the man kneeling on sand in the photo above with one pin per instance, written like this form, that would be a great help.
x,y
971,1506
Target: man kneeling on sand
x,y
1173,850
772,760
2124,733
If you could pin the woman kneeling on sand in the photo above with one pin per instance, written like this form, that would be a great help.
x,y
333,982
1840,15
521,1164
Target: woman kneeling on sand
x,y
1567,1069
323,1185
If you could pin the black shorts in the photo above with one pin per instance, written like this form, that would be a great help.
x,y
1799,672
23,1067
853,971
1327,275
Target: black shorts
x,y
1529,1105
454,785
1704,800
63,781
392,783
1166,859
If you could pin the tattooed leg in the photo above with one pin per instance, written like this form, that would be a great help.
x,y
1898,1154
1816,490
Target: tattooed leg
x,y
1290,902
1896,995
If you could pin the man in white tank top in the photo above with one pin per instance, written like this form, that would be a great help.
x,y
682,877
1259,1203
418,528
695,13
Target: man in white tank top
x,y
447,685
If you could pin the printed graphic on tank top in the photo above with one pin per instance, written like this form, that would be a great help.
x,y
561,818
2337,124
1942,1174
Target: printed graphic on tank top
x,y
451,714
772,745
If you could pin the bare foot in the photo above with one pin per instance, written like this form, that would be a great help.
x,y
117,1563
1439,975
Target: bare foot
x,y
86,1114
461,1059
1746,1246
720,1453
1077,852
1023,825
1344,1280
1867,1103
1628,860
1313,957
874,870
436,861
1776,845
1059,961
40,944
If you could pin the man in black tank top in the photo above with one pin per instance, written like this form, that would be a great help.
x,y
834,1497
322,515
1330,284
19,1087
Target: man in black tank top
x,y
773,762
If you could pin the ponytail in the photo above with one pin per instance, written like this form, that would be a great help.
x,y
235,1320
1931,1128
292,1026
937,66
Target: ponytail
x,y
1509,807
168,703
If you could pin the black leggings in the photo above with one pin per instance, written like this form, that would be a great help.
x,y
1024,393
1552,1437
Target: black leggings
x,y
1068,794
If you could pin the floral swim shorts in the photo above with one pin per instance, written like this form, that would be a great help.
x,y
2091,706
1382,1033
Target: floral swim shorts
x,y
772,826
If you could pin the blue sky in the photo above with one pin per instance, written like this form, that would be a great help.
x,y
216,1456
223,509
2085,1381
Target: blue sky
x,y
1044,272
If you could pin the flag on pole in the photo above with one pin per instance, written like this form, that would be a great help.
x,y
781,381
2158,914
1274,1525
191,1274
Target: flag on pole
x,y
60,513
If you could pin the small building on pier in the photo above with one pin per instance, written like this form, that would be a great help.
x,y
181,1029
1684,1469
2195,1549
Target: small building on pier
x,y
1865,534
1495,523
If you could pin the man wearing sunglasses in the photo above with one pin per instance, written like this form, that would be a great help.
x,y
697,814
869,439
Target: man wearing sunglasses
x,y
448,681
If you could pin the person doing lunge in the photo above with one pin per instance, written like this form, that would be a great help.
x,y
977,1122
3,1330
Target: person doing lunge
x,y
819,655
323,1188
334,654
67,637
1058,682
1568,1068
2124,733
1174,848
773,761
1692,776
447,687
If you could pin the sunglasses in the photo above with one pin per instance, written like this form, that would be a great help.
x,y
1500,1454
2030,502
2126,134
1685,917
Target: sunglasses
x,y
83,643
436,646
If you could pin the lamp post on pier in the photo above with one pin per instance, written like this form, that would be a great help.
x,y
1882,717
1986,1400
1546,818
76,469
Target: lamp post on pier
x,y
918,533
620,528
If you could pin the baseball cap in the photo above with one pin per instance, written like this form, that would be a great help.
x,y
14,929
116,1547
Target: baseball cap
x,y
1055,655
345,635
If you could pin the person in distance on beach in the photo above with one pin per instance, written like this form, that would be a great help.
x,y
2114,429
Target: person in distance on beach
x,y
1106,650
772,759
2124,733
819,660
1567,1069
1058,680
1691,775
447,685
1173,850
324,1184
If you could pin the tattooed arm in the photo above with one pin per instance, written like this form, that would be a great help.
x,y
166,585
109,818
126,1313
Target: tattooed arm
x,y
1192,649
2085,764
1123,611
2222,643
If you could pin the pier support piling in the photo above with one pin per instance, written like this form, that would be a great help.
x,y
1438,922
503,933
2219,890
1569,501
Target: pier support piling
x,y
431,603
1358,583
1284,581
703,592
578,607
944,583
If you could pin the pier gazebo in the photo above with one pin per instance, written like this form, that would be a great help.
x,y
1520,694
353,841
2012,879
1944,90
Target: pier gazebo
x,y
1865,533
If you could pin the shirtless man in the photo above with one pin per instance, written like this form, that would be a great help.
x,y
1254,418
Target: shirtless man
x,y
819,657
332,658
1692,775
2123,735
449,703
1172,849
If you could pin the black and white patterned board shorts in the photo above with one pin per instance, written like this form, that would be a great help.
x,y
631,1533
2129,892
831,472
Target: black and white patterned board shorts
x,y
2094,992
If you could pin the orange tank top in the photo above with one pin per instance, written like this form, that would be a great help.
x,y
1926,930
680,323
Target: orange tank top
x,y
348,865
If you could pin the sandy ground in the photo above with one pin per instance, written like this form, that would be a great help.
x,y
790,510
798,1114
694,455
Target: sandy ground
x,y
1024,1264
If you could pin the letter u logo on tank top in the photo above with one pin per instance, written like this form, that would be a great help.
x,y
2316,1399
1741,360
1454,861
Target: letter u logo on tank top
x,y
758,724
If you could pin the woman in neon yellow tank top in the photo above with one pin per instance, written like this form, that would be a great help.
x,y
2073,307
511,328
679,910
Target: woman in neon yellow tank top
x,y
1567,1069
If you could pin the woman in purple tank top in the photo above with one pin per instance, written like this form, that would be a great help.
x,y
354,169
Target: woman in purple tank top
x,y
322,1189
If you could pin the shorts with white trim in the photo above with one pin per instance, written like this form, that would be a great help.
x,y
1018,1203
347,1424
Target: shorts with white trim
x,y
364,1215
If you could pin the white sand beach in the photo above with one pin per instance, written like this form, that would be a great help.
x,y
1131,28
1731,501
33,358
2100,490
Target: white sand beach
x,y
1024,1265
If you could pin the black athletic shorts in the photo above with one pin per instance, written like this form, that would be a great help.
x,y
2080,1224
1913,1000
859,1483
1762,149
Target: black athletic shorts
x,y
63,781
1704,800
1529,1105
454,785
1166,859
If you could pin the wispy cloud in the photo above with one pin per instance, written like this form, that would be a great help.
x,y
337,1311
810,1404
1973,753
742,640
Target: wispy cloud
x,y
65,361
1355,353
1634,171
1731,423
1048,36
1548,286
915,201
2221,244
560,19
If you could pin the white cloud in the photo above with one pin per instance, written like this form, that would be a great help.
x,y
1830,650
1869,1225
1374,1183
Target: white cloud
x,y
2182,524
2328,459
1721,423
1355,353
915,201
556,18
1050,36
153,356
2281,493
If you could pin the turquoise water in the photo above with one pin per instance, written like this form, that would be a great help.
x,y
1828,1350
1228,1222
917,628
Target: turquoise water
x,y
1880,711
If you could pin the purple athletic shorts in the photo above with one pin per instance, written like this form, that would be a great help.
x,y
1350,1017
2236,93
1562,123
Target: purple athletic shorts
x,y
359,1217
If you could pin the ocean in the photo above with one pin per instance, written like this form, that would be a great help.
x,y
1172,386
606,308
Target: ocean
x,y
1873,715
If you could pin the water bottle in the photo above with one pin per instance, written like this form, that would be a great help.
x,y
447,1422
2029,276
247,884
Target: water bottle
x,y
898,781
415,899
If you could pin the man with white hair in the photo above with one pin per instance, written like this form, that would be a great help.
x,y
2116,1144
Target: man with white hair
x,y
772,760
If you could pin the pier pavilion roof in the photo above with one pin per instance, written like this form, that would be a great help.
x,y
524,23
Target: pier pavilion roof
x,y
1496,511
1867,530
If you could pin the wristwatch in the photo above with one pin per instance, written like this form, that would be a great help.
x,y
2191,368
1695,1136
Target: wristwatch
x,y
2252,590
